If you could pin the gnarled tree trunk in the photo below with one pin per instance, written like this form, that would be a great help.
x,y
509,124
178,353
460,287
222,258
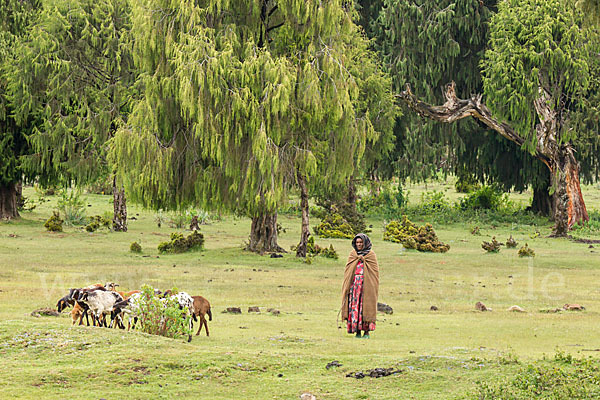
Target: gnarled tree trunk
x,y
304,234
569,207
263,234
8,201
120,208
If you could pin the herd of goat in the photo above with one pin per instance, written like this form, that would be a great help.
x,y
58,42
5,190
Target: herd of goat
x,y
98,301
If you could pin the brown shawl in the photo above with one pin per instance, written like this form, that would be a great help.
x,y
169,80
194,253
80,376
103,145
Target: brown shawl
x,y
370,284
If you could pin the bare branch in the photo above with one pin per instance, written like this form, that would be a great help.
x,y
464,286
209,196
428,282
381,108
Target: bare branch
x,y
455,109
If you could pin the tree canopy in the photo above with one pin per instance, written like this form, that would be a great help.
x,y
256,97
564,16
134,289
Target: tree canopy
x,y
239,96
71,80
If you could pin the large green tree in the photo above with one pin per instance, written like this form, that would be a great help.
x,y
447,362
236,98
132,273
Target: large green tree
x,y
72,76
15,16
243,101
426,44
536,74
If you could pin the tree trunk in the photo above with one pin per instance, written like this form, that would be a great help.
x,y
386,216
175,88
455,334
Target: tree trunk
x,y
352,198
263,234
120,208
569,207
8,201
542,202
301,248
568,204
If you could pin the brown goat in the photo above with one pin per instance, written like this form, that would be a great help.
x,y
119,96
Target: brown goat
x,y
77,314
201,307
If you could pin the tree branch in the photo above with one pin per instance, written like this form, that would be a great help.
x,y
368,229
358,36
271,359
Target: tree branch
x,y
455,109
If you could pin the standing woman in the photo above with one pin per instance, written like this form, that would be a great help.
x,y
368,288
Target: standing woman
x,y
361,288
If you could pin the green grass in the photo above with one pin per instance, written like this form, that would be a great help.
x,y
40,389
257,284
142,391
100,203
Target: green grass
x,y
442,354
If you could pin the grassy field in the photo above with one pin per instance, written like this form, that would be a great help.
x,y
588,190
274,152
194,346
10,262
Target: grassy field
x,y
444,354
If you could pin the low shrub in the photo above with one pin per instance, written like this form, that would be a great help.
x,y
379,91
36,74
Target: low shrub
x,y
162,316
466,184
511,243
400,231
313,250
181,244
487,198
96,222
434,202
135,247
329,252
493,246
335,226
54,223
526,251
423,238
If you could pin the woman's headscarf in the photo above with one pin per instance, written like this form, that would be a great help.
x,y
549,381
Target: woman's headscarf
x,y
366,243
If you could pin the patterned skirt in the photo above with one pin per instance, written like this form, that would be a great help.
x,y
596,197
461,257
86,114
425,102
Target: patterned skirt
x,y
355,304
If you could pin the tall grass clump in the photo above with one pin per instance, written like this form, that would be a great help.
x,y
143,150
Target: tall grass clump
x,y
72,207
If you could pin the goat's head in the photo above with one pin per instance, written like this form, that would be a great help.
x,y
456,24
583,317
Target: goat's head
x,y
111,285
61,305
75,294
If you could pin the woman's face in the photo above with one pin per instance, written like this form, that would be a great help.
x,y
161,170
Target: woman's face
x,y
359,244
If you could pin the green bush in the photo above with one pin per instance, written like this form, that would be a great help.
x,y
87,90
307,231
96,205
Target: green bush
x,y
388,203
487,198
162,316
421,238
511,243
72,207
493,246
181,244
526,251
95,222
135,247
54,223
434,202
335,226
399,232
466,183
347,210
313,250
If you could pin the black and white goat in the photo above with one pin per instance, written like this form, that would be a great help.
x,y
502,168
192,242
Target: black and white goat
x,y
129,306
100,303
